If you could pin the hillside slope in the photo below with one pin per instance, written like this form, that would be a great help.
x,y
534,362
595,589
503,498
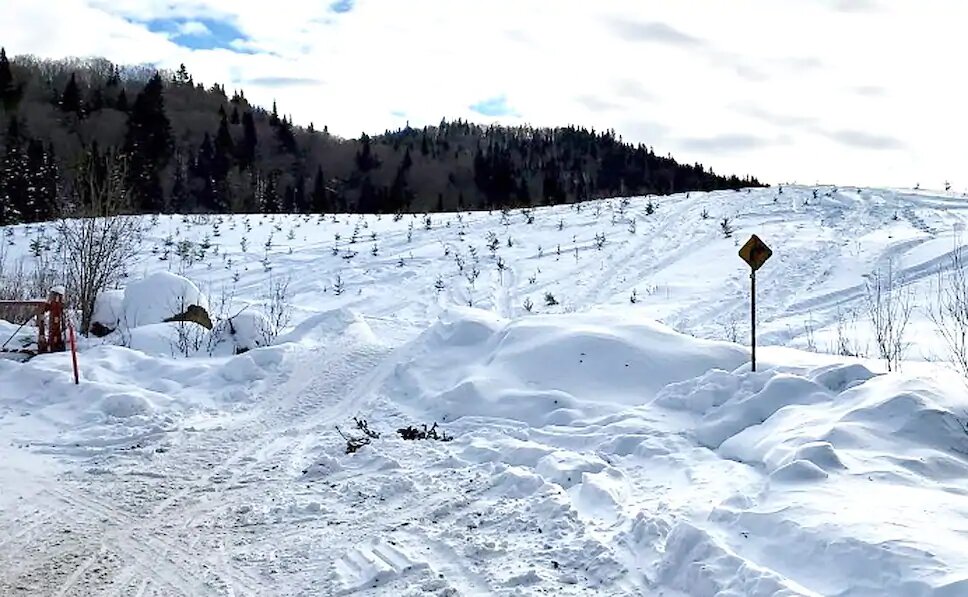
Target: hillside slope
x,y
191,148
595,450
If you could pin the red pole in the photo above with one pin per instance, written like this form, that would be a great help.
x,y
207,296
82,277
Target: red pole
x,y
70,331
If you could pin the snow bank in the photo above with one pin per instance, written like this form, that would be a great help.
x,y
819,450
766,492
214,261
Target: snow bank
x,y
549,369
826,420
697,564
157,298
124,393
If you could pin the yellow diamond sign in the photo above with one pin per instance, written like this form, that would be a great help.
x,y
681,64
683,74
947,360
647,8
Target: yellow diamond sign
x,y
755,252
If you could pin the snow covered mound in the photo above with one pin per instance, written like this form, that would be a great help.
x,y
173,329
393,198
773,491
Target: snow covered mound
x,y
158,298
243,332
719,480
550,368
108,311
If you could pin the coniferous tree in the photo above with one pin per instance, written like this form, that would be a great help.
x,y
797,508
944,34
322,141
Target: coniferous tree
x,y
41,192
235,115
182,77
365,160
181,195
13,177
250,141
224,148
10,93
320,196
70,100
270,194
121,104
274,118
284,134
400,195
289,200
148,146
299,199
203,175
96,102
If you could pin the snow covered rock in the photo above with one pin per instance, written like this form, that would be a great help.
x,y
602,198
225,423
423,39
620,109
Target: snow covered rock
x,y
107,312
163,297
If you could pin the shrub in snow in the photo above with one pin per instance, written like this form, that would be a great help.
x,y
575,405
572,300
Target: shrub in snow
x,y
413,433
163,297
355,443
242,332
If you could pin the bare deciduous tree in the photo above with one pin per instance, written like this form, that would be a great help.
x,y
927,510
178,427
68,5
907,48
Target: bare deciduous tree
x,y
949,313
278,310
98,241
888,310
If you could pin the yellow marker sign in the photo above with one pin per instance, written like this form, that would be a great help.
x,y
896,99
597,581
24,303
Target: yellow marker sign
x,y
755,252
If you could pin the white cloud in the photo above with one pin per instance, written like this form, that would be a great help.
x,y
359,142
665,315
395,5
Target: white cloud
x,y
848,91
193,28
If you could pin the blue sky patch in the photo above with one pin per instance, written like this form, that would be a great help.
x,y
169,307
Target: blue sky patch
x,y
199,34
495,106
341,6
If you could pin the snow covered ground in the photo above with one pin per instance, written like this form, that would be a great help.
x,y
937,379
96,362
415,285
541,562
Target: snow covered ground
x,y
614,442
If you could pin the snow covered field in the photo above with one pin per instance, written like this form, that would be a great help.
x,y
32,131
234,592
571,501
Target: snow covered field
x,y
609,436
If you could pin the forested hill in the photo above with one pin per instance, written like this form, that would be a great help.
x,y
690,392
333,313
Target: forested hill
x,y
167,144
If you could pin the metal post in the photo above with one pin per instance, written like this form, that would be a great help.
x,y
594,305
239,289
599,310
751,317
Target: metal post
x,y
753,314
70,329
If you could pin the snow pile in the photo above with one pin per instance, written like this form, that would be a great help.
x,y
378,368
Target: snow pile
x,y
158,298
549,369
18,337
719,480
108,309
124,394
242,332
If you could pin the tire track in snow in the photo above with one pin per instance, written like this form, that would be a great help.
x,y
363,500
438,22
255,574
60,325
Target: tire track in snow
x,y
183,563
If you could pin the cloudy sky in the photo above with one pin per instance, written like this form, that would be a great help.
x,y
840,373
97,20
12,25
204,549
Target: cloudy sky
x,y
865,92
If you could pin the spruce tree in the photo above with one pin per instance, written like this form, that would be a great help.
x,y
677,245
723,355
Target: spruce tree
x,y
288,200
96,103
181,197
148,145
10,93
250,141
203,174
13,177
320,198
121,104
302,198
182,77
365,160
270,194
70,100
6,76
274,117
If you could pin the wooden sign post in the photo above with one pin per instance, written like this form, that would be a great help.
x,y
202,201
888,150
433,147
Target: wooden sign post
x,y
755,253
